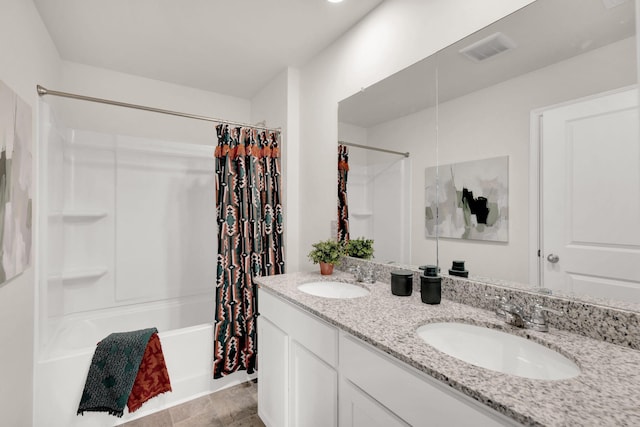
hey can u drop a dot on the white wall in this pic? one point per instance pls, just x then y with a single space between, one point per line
102 83
27 57
393 36
278 104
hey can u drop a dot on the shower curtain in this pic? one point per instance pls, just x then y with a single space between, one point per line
343 209
250 240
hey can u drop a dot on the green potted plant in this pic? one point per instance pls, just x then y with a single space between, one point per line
327 253
360 248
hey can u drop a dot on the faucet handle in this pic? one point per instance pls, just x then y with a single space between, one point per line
539 319
539 309
501 304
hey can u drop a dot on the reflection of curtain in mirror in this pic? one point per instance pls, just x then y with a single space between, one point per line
343 209
250 226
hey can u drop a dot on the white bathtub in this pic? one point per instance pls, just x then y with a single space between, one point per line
61 372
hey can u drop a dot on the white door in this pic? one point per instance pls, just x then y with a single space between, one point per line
591 197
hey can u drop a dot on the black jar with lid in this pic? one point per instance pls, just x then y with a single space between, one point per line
457 269
430 285
402 283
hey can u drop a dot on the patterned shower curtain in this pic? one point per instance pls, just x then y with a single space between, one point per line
250 240
343 208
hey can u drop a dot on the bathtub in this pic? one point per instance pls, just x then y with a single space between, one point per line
62 367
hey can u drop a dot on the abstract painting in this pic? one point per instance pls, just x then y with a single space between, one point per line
15 184
468 200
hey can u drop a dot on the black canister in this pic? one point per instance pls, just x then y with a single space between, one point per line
401 282
430 285
457 269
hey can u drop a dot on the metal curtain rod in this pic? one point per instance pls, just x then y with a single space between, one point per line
44 91
366 147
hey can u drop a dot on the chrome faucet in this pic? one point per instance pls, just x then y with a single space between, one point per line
514 315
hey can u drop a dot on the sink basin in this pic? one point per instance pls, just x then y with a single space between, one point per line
498 351
333 289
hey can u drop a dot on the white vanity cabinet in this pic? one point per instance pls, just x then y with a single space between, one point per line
311 374
297 366
403 395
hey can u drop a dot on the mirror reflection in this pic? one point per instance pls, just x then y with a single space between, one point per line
551 90
397 114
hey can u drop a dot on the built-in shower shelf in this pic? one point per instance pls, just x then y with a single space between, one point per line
361 213
78 215
80 274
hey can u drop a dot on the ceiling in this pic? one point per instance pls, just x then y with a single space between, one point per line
233 47
545 32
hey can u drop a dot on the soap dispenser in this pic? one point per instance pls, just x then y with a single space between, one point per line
430 285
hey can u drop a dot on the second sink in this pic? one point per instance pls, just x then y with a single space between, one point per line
498 351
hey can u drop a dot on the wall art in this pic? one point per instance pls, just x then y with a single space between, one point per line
15 184
468 200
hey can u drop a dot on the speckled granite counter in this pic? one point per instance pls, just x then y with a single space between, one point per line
607 392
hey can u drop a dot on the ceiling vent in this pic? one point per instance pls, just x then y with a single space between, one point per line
488 47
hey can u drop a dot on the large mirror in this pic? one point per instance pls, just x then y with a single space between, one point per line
524 150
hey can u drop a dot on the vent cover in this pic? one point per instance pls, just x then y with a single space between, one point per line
488 47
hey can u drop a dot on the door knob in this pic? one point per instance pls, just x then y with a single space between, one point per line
553 258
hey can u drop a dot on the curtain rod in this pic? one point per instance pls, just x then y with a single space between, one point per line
366 147
44 91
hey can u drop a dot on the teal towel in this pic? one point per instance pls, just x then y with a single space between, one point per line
113 370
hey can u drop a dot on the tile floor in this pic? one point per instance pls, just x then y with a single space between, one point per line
233 407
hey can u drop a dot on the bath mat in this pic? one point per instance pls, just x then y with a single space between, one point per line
113 370
152 378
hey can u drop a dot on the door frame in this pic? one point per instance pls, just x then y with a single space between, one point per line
536 227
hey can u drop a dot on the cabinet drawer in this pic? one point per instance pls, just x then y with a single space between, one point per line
414 397
313 333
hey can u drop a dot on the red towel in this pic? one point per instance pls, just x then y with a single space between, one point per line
152 378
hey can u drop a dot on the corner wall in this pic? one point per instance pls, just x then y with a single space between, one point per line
278 104
27 57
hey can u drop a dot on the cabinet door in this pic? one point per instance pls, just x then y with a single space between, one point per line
273 353
357 409
314 390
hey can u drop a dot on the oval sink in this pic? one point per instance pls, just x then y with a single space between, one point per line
498 351
333 290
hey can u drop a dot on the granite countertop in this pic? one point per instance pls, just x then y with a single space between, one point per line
607 391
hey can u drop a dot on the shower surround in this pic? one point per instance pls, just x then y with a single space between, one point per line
127 240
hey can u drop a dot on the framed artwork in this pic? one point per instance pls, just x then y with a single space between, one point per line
15 184
468 200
